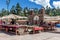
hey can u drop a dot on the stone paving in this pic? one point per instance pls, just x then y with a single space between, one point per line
40 36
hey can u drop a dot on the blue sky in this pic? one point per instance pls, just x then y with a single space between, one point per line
31 3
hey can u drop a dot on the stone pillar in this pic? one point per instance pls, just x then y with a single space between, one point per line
31 17
41 14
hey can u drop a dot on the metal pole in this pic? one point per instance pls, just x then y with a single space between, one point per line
7 10
7 2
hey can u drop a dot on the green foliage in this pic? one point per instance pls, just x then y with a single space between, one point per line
25 11
18 9
53 12
36 10
4 12
12 10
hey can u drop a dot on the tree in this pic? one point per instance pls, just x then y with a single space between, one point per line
47 10
54 12
26 10
4 12
36 10
22 13
58 11
18 9
12 10
50 13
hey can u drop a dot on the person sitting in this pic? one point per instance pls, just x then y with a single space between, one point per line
4 22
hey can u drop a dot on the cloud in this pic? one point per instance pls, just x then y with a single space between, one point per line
56 4
44 3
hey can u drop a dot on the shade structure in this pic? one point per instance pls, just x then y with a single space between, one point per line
13 16
58 25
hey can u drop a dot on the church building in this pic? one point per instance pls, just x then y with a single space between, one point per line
36 19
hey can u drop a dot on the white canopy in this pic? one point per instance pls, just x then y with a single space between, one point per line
12 16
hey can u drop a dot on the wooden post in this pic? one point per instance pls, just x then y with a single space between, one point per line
16 31
6 29
0 27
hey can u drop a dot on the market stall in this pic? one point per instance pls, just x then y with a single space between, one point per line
12 27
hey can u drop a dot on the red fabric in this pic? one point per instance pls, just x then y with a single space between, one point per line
38 28
0 21
41 28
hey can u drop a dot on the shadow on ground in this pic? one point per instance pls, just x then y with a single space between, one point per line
8 33
55 32
13 34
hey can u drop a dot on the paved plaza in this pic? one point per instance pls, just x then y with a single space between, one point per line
40 36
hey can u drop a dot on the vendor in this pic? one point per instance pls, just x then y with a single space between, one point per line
12 22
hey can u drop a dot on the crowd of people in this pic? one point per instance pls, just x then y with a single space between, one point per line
12 22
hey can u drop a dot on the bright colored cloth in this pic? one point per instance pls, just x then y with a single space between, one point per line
38 28
41 28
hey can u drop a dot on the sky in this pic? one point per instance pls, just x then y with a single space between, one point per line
31 3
